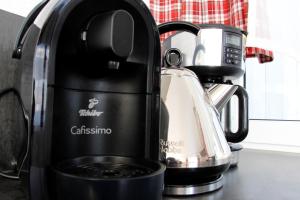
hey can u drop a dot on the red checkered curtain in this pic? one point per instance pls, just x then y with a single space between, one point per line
228 12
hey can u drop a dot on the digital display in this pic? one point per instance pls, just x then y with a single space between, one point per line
233 40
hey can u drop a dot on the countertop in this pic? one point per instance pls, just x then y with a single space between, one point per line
260 175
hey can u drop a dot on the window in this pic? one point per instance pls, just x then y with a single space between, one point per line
274 88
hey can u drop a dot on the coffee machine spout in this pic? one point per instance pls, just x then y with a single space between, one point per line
220 94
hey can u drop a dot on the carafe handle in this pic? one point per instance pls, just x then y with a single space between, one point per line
243 121
178 26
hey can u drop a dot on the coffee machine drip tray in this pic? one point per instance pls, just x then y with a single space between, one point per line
106 177
183 190
105 167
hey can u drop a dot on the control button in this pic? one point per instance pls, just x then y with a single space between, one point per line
229 61
236 62
229 50
236 57
236 51
229 55
232 50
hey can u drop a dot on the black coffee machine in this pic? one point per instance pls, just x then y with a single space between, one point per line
95 100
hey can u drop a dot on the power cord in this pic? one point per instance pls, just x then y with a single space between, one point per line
27 125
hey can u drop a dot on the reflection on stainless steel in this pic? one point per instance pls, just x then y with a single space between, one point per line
207 46
220 94
203 49
200 49
187 47
45 13
234 158
235 151
195 138
195 189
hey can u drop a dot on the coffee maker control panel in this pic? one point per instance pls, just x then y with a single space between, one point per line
232 49
232 56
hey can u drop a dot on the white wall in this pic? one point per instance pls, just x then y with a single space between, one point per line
274 135
23 7
19 7
147 2
274 88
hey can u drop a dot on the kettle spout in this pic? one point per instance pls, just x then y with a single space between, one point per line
220 94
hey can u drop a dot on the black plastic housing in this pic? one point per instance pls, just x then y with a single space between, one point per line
84 107
134 179
110 34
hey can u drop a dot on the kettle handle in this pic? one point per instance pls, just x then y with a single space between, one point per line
178 26
27 125
243 123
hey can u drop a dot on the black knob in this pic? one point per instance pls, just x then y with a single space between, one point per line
110 35
173 57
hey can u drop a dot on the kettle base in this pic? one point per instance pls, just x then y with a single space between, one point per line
186 190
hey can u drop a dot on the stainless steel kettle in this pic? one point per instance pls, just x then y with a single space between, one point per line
192 142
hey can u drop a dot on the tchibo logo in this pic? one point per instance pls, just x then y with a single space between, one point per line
91 112
93 103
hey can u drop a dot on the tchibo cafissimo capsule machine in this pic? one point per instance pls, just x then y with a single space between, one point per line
95 100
